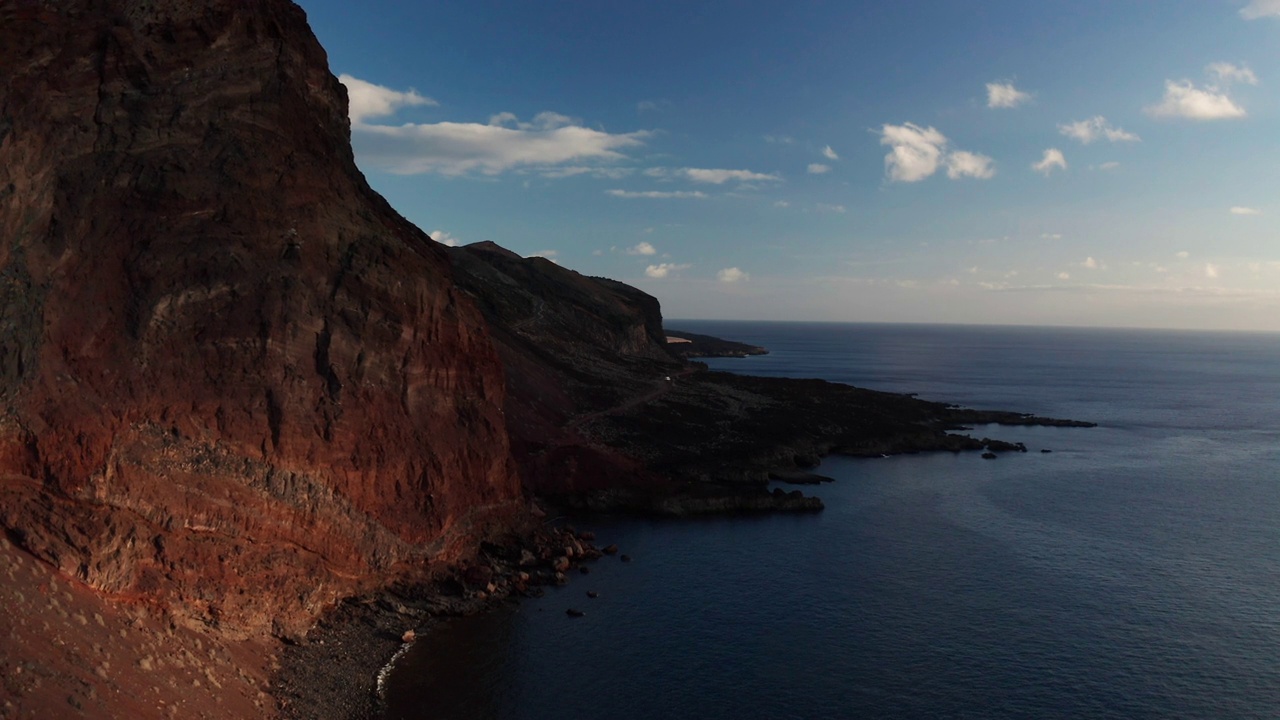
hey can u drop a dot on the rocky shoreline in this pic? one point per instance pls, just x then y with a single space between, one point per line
334 671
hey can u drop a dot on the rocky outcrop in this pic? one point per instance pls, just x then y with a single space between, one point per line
572 347
693 345
233 381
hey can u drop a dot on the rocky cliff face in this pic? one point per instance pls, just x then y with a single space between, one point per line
572 347
232 380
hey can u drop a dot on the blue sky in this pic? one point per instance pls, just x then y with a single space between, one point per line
1047 163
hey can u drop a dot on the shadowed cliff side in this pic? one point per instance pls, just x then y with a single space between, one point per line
233 381
572 346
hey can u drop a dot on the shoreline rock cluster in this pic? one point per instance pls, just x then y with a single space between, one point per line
332 671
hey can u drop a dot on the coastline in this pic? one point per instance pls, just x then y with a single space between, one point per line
336 669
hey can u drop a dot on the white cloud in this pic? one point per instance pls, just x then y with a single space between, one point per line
1210 270
732 275
1109 165
611 173
1005 95
779 139
367 100
1228 73
1260 9
818 168
444 238
548 254
782 204
651 105
1050 236
1182 255
1183 99
916 153
1091 263
823 207
1086 131
458 148
962 163
1053 158
452 148
1238 210
664 269
642 248
829 154
656 194
719 177
1064 276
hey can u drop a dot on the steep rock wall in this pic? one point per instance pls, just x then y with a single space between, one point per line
572 347
233 381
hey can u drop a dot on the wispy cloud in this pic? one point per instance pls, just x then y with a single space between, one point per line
663 270
1228 73
1241 210
713 176
1260 9
452 148
367 100
719 176
824 207
642 248
1211 271
1005 95
829 154
779 139
917 152
1095 128
818 168
1053 158
652 105
656 194
732 275
610 173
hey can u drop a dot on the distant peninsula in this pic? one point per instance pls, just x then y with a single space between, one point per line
692 345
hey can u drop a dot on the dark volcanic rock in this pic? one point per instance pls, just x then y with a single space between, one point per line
693 345
573 348
233 380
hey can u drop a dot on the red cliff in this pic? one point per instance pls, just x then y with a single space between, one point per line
233 381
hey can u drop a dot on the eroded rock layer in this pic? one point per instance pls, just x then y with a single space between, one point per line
233 380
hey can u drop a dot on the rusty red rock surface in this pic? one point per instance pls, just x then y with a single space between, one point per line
234 382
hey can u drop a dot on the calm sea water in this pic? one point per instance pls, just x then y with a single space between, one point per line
1134 572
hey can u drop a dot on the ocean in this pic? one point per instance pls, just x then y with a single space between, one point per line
1132 572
